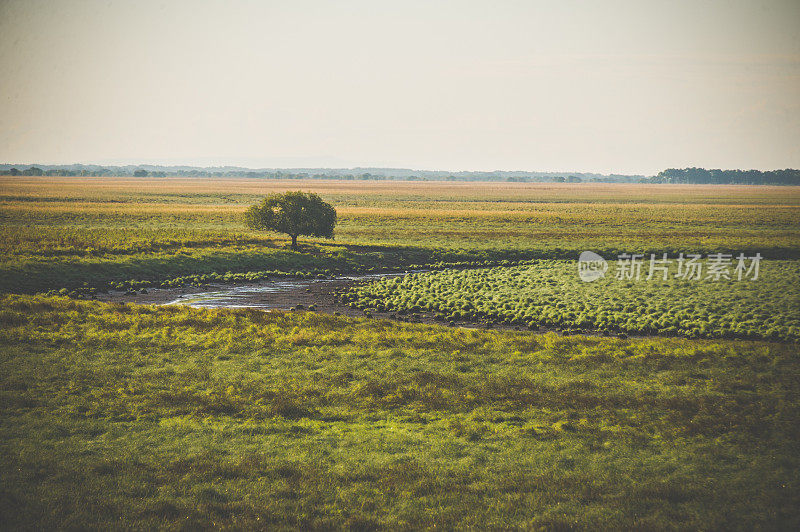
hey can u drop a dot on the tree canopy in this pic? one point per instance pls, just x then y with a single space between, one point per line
722 177
294 214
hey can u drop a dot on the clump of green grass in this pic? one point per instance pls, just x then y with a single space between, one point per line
550 294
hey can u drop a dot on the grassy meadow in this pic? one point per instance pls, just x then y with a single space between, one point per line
119 416
101 230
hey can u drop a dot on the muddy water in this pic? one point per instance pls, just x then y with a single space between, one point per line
274 294
281 294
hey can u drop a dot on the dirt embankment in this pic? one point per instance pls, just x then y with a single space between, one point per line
316 295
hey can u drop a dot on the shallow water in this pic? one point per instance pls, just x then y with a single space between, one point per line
270 295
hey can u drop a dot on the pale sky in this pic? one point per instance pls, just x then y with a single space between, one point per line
606 86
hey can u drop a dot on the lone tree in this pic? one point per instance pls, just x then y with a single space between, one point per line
293 213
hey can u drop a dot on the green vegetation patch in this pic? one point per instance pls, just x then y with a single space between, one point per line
550 294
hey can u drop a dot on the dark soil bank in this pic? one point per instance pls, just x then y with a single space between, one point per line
318 295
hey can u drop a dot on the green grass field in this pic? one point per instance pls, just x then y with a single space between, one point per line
70 231
138 417
127 417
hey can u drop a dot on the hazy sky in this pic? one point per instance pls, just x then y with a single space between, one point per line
610 86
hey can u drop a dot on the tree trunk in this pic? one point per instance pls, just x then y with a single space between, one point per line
294 242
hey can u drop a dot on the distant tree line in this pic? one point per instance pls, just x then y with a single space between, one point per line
376 174
102 172
671 175
728 177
